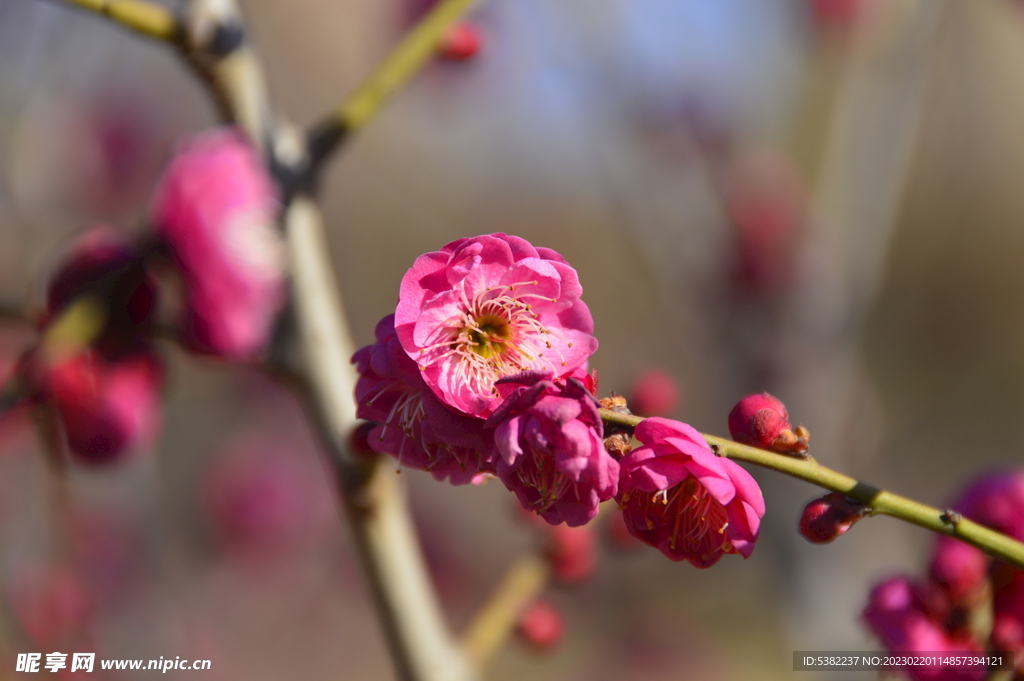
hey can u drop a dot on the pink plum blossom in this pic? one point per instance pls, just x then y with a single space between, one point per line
549 448
996 500
680 498
412 424
215 209
488 307
901 613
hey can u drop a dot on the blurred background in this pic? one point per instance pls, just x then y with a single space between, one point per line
818 198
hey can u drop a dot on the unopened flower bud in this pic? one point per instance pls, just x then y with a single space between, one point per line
654 394
826 518
461 42
762 420
541 625
572 552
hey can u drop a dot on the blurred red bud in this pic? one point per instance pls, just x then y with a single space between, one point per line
541 625
654 394
461 42
109 408
572 552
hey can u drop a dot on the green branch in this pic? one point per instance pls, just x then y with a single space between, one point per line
880 501
397 69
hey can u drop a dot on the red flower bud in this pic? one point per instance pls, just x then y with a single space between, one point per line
654 394
461 42
762 421
108 408
541 625
826 518
572 552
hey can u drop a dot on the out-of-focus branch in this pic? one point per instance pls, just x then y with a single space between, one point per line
418 47
421 645
146 18
497 618
879 500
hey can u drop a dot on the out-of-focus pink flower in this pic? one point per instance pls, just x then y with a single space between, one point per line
824 519
261 495
572 552
488 307
758 420
109 408
654 394
997 501
677 496
461 42
899 615
103 263
412 424
959 569
549 448
836 12
1008 612
766 199
215 209
541 625
51 603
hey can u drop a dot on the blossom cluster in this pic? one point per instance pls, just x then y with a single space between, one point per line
940 613
482 371
96 366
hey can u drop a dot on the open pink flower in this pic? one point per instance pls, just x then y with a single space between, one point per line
412 424
677 496
215 209
549 448
488 307
901 614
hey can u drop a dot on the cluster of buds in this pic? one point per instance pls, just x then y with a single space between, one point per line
482 371
941 612
96 366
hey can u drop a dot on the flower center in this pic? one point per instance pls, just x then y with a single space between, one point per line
496 334
489 335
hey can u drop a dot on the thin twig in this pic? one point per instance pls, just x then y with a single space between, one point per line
397 69
144 17
497 618
880 501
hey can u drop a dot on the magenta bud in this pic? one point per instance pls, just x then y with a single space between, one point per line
758 420
959 569
654 394
826 518
572 552
109 409
541 625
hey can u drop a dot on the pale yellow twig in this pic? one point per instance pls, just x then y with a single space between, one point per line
144 17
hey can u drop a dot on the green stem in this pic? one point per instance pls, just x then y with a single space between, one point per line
404 62
880 501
